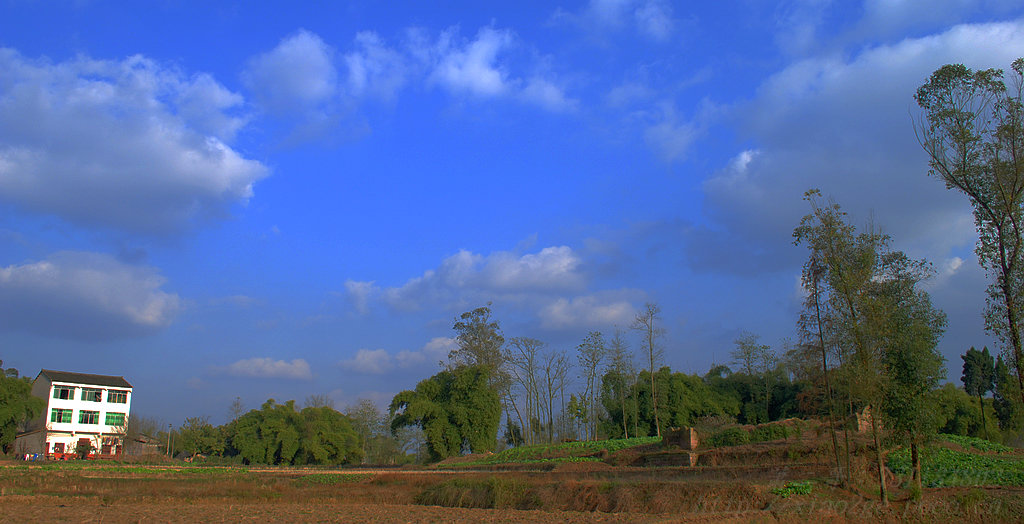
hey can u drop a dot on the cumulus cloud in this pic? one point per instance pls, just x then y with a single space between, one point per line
652 19
843 125
296 77
84 296
257 367
431 353
381 361
371 361
482 68
128 145
589 311
467 276
374 69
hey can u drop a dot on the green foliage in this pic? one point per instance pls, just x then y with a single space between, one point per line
277 434
793 488
946 467
17 404
976 443
974 137
734 436
457 409
333 479
198 436
579 451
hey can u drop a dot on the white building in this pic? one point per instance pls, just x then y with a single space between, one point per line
80 409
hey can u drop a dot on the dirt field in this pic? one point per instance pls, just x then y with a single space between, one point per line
589 492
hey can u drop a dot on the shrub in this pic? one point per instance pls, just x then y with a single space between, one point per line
733 436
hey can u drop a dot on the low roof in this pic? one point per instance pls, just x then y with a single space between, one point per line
85 378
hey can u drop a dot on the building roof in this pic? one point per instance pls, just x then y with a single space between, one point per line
85 378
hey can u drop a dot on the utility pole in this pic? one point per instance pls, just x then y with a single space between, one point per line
169 441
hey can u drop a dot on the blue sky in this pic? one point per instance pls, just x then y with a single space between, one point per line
259 199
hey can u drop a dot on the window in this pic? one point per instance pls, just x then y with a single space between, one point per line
60 415
117 396
88 417
91 394
64 392
114 419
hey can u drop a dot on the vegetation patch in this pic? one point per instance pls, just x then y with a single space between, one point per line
331 479
979 444
490 493
948 467
582 451
793 488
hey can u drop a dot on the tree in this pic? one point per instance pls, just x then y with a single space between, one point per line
457 409
522 357
974 136
277 434
647 323
197 436
880 321
1003 398
623 377
479 340
592 353
236 409
978 377
17 404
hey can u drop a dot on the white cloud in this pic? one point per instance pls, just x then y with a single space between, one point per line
297 369
128 145
472 68
671 136
483 68
842 125
371 361
651 19
359 293
466 276
590 311
374 69
431 353
296 77
86 296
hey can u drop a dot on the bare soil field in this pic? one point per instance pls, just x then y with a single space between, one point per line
588 492
648 483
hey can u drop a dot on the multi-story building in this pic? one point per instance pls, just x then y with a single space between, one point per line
80 409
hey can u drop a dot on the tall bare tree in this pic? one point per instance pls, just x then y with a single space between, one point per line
592 355
648 323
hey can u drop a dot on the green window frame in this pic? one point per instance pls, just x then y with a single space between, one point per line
88 417
64 392
117 396
92 394
114 419
60 415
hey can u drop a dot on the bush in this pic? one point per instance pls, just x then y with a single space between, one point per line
733 436
769 432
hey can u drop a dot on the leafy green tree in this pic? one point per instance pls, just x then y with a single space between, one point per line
880 321
458 409
479 340
277 434
17 404
974 137
327 437
978 377
198 436
1003 398
910 362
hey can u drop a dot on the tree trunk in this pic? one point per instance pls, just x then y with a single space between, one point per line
882 490
915 461
981 406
